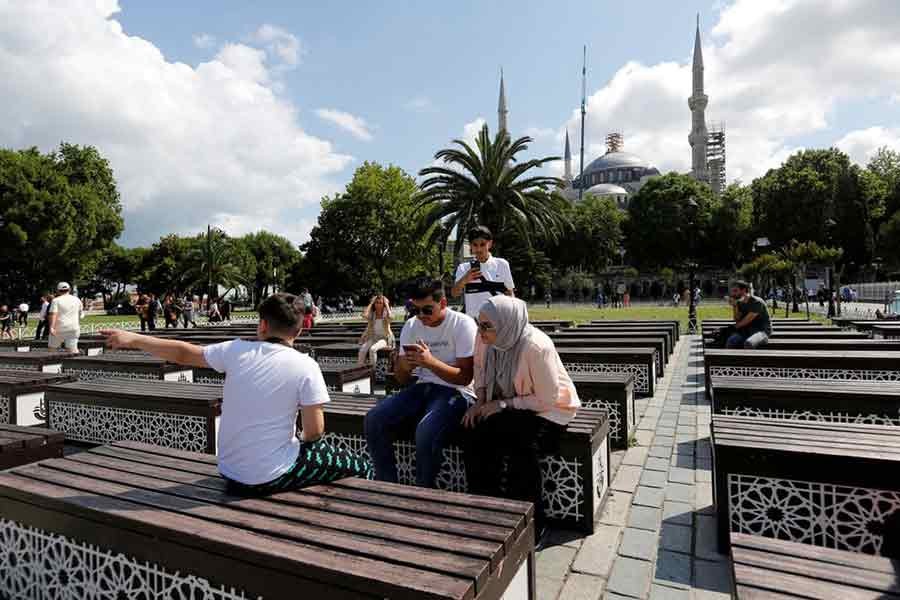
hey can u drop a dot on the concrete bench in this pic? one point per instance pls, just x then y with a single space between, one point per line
345 354
778 570
126 365
576 479
22 396
42 361
138 521
639 362
100 411
657 343
817 365
23 445
834 485
874 402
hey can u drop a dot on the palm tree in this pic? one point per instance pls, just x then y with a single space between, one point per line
212 265
486 185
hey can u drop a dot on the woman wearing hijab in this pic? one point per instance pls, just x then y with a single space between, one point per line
525 400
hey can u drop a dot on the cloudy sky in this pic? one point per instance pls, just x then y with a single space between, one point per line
245 114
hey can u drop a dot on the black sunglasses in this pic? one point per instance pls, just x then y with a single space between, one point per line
425 310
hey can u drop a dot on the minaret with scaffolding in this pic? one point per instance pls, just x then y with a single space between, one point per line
715 157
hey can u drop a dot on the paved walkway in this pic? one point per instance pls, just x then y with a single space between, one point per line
656 536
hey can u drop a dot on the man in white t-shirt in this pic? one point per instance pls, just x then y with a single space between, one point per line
64 320
437 346
266 383
484 276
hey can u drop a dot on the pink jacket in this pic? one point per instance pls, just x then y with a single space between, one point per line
541 381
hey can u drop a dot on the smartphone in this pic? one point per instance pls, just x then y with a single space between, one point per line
408 348
474 264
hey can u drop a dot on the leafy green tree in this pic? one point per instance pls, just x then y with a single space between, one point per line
889 241
663 228
596 236
216 260
59 213
802 254
488 185
274 257
162 267
731 227
885 166
118 267
367 238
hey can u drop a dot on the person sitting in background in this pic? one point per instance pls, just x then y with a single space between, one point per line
525 400
266 383
6 319
378 334
436 345
170 311
751 318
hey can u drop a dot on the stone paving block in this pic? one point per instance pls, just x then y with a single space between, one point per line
654 479
712 580
553 562
566 537
598 551
615 511
681 475
626 480
645 517
685 461
548 589
680 492
704 476
582 587
644 437
656 464
704 500
705 544
614 596
664 592
649 496
673 568
652 411
660 451
677 538
663 440
638 543
685 447
636 455
680 513
704 464
660 430
630 577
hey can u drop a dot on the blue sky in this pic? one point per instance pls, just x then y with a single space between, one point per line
244 115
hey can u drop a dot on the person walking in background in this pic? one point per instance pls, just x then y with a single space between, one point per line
212 311
64 320
187 311
378 334
5 322
42 330
308 319
307 298
23 314
142 308
170 312
152 312
225 309
525 400
548 298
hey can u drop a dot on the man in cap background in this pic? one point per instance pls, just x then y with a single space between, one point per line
64 319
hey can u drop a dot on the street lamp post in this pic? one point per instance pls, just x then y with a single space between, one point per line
692 267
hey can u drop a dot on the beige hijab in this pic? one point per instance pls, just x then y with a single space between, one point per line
510 319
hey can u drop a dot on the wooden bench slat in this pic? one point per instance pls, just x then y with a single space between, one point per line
759 584
880 564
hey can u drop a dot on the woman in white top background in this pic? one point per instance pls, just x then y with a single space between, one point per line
378 334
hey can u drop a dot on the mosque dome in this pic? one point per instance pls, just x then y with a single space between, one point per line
607 189
618 168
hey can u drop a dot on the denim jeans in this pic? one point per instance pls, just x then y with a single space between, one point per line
437 411
741 340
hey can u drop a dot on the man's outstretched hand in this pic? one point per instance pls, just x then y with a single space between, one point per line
119 339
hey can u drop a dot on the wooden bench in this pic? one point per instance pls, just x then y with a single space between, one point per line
670 330
779 343
874 402
100 411
23 445
135 520
658 344
768 569
614 393
346 354
22 396
616 334
125 365
89 346
674 324
835 485
576 479
43 361
639 362
887 331
815 365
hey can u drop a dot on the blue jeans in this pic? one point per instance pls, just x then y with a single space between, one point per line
741 340
437 411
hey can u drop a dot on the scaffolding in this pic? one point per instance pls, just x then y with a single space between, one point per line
715 157
614 142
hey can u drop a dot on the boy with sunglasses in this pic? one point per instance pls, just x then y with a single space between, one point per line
437 346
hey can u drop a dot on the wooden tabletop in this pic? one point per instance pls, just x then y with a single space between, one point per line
138 389
12 377
347 539
15 437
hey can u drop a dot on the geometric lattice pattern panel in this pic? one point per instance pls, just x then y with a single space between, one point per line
820 514
4 409
600 472
106 424
563 487
641 372
797 373
612 408
210 379
813 415
35 565
91 374
17 366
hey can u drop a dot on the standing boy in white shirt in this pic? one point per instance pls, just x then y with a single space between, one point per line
485 275
64 320
266 382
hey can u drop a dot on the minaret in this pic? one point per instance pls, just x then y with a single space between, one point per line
697 102
567 157
501 107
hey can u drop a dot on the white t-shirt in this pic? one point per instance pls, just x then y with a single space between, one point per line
265 386
44 307
494 269
23 308
453 338
68 312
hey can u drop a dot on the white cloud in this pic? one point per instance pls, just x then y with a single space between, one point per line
204 40
420 104
472 129
189 145
861 144
540 133
355 126
775 71
284 47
